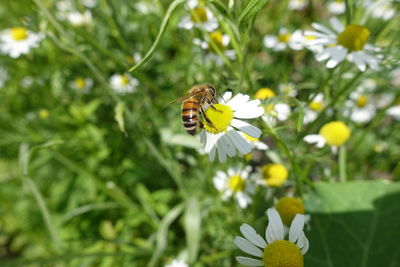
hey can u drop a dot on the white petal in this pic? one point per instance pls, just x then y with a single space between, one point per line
306 246
337 53
301 241
230 149
226 97
249 261
296 227
211 156
252 235
323 29
275 223
246 128
315 139
337 26
237 100
359 61
240 143
247 247
221 151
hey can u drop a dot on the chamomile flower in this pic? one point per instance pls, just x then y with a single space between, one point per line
43 113
223 136
235 183
177 263
199 16
264 93
334 134
3 76
297 4
315 106
123 83
274 250
77 18
82 84
276 112
284 40
17 41
359 107
287 89
337 7
395 110
382 10
216 40
342 43
271 174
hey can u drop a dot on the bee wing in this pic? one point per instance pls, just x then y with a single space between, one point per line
182 98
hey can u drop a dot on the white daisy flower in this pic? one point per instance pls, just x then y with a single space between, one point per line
297 4
177 263
288 89
3 76
17 41
123 83
89 3
274 248
359 108
223 135
77 18
382 10
276 112
394 112
200 16
235 183
314 108
81 84
285 40
342 43
337 7
27 81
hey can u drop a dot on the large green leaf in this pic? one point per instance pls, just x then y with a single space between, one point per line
354 224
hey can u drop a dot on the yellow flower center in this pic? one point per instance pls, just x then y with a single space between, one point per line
353 37
284 38
216 38
220 117
274 174
80 83
43 114
282 253
236 183
310 37
362 101
316 105
124 79
19 33
198 14
269 108
288 207
264 93
335 133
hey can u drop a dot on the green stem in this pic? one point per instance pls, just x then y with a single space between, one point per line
342 163
348 12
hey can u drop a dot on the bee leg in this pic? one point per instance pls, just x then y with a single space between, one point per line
201 124
206 118
211 105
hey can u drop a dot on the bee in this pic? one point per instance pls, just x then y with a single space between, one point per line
193 105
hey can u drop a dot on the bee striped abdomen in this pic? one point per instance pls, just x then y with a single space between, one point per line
190 110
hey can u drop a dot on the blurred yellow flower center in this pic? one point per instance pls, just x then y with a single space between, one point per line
124 79
362 101
269 108
43 114
316 105
198 14
216 37
19 33
80 83
288 207
354 37
282 253
236 183
264 93
274 174
284 38
220 117
335 133
250 138
310 37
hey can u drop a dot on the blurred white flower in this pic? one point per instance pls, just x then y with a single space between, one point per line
297 4
235 183
314 108
394 112
81 84
276 112
284 40
123 83
17 41
383 10
77 18
275 246
337 7
3 76
223 136
177 263
199 16
89 3
287 89
342 43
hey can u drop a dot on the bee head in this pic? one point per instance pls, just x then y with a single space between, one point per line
212 89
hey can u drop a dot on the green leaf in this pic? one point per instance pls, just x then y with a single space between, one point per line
163 26
119 116
354 224
192 228
300 119
250 11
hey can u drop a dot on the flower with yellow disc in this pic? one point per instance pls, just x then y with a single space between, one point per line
123 83
271 174
199 16
18 41
334 134
274 250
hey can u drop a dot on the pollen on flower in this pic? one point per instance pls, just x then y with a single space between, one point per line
19 33
274 174
335 133
216 37
80 83
288 207
282 253
264 93
354 37
220 117
198 14
362 101
236 183
284 38
316 106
